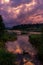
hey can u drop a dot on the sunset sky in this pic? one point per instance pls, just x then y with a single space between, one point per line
17 12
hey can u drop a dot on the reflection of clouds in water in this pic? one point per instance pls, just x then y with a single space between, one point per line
28 63
25 44
21 44
13 47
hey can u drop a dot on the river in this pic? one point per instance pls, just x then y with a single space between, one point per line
23 44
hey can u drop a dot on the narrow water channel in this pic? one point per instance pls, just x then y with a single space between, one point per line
22 44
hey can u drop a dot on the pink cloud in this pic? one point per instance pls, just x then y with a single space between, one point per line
23 13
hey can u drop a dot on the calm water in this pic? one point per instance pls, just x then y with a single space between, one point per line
22 44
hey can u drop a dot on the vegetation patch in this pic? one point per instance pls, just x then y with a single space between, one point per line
7 58
37 41
9 36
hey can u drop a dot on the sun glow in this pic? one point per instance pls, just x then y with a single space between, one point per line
5 1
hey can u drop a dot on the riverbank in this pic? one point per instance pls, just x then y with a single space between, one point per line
7 37
6 57
37 41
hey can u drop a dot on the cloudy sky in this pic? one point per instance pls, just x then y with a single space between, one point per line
17 12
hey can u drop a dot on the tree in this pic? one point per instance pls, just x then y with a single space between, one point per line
2 26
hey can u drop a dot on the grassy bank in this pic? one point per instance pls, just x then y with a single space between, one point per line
9 36
37 41
7 58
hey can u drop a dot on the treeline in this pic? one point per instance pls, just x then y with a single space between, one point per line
28 27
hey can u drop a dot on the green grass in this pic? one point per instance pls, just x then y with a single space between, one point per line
37 41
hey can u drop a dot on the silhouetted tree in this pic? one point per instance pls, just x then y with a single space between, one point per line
2 26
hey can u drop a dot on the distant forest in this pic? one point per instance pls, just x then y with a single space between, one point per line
28 27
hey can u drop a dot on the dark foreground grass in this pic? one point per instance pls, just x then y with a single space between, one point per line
7 58
37 41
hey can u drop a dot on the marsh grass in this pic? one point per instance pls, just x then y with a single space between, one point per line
9 36
37 41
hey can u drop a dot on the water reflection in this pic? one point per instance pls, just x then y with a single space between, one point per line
29 63
22 43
